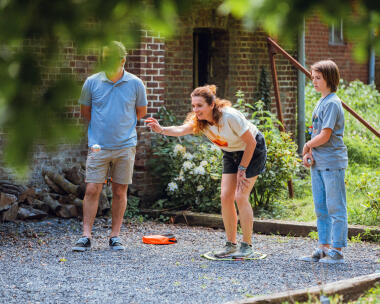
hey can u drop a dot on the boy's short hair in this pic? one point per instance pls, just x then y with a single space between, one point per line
116 48
330 73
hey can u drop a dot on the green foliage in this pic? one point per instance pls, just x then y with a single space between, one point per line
189 171
33 33
359 210
32 37
313 235
282 158
283 18
370 296
263 93
367 183
195 177
132 207
362 145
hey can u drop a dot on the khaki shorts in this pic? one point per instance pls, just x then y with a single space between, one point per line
119 162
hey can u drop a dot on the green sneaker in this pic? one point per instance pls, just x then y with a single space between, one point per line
226 250
244 251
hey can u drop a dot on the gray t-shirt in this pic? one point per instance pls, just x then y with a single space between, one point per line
113 109
328 113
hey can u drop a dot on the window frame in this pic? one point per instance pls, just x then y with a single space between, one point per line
332 34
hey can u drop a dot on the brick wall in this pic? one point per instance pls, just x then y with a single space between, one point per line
70 63
317 48
166 67
247 52
147 61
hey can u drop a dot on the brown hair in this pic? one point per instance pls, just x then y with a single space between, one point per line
208 92
330 73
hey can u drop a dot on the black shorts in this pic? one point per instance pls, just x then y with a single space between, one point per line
231 160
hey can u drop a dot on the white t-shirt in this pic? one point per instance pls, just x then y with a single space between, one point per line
232 125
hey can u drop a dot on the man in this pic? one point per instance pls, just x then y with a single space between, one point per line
111 101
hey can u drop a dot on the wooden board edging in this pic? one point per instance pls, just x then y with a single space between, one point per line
263 226
351 289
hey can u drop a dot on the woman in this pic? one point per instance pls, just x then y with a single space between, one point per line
244 157
326 154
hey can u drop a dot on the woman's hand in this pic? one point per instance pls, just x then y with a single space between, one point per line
154 125
242 181
308 160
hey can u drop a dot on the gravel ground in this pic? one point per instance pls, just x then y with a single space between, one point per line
37 265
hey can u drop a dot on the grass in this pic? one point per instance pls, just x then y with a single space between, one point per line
363 173
301 208
371 296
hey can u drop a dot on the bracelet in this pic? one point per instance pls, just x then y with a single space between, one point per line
162 131
242 168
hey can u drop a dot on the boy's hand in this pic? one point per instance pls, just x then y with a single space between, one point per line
306 149
308 160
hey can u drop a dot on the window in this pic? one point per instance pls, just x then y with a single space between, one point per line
336 33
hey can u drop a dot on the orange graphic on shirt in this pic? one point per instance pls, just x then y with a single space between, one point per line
216 139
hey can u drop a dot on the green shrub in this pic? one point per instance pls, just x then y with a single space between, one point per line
190 168
368 184
195 177
282 159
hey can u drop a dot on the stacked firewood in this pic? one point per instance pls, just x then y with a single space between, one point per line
64 198
15 201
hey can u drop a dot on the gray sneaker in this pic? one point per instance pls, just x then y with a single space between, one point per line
333 256
115 243
316 256
83 244
244 251
226 250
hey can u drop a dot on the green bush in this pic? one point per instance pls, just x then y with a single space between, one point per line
367 183
282 158
190 168
362 145
195 177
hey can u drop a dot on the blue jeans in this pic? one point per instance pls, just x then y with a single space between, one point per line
329 195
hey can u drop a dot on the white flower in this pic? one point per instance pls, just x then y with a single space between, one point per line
200 188
203 163
188 156
172 186
179 149
213 148
187 165
199 170
180 178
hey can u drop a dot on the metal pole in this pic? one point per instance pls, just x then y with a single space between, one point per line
272 52
276 47
275 87
301 91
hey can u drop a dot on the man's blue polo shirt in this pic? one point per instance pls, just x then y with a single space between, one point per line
113 109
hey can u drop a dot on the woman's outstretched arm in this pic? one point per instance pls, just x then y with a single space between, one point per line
155 126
